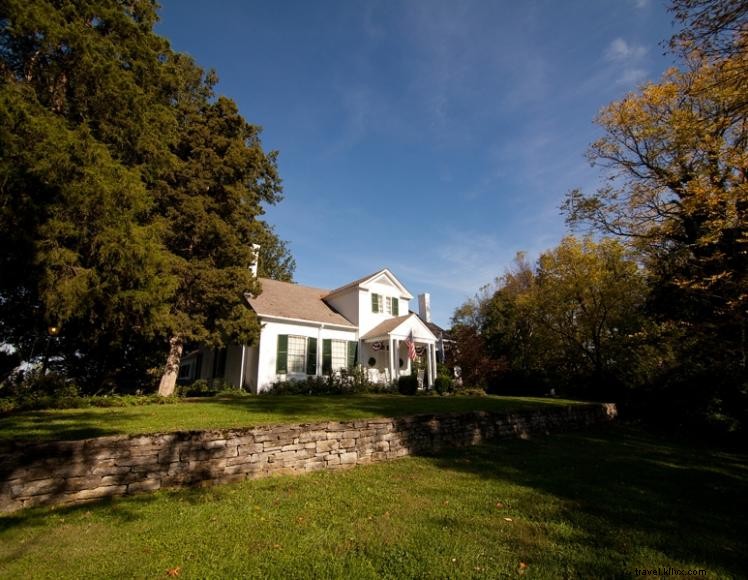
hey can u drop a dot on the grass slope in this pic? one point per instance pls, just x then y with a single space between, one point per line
598 504
230 412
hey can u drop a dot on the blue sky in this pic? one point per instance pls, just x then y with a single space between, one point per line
433 137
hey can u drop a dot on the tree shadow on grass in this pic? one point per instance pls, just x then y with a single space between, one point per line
627 491
300 408
67 426
118 511
76 424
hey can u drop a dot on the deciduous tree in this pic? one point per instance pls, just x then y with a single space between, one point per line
571 321
588 297
675 156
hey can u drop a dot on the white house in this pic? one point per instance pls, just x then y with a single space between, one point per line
313 332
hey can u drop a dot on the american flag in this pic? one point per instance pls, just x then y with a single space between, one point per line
411 346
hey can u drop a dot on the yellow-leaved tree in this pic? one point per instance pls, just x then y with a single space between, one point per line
676 188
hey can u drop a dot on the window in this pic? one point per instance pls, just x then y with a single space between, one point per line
386 304
185 370
296 354
338 354
191 368
219 363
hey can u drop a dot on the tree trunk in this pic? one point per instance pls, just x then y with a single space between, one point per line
169 378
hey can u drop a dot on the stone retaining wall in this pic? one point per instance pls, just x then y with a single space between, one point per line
69 472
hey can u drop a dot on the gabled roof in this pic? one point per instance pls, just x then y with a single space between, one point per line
370 278
295 302
401 326
354 283
384 328
435 329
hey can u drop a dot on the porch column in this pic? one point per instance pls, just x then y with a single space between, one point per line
429 366
433 353
432 365
392 354
433 349
241 369
396 359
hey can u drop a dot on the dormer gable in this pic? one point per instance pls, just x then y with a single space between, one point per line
382 277
371 299
385 278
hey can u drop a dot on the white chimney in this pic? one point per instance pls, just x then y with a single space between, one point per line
424 307
255 259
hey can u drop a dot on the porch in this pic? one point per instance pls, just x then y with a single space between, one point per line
386 355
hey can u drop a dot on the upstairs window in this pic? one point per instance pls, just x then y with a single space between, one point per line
386 304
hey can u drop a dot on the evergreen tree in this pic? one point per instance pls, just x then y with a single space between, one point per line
130 195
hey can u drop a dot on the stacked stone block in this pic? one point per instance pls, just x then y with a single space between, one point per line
70 472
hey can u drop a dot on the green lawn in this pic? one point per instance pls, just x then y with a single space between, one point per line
218 413
598 504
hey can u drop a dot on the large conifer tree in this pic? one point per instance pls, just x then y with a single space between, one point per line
129 194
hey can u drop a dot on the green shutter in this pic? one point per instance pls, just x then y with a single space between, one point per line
311 356
395 307
281 361
352 351
199 366
326 355
375 302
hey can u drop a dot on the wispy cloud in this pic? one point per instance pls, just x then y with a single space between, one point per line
621 51
359 105
626 59
461 53
462 262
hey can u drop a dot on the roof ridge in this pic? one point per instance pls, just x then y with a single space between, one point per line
357 282
296 284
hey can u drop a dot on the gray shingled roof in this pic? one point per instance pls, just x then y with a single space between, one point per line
355 282
385 327
286 300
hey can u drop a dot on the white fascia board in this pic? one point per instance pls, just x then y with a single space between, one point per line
402 331
403 290
377 339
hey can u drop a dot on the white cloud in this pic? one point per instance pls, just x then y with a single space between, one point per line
641 3
621 51
460 263
627 62
632 76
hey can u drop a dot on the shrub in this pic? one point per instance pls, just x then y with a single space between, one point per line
327 385
443 385
199 388
7 405
355 381
407 385
310 386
